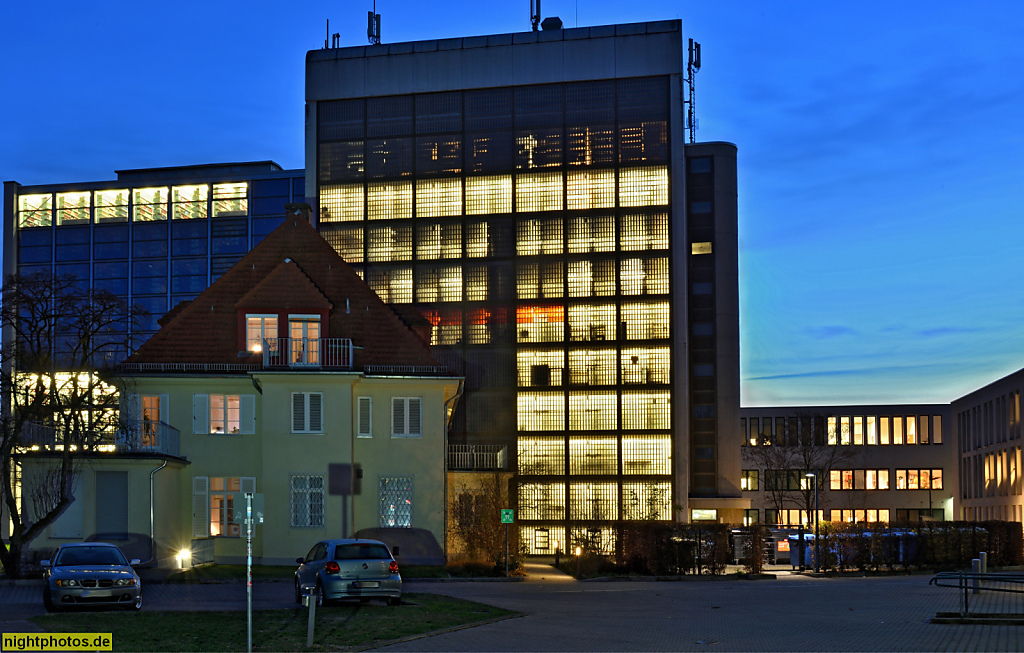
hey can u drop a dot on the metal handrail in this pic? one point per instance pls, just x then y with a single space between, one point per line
973 582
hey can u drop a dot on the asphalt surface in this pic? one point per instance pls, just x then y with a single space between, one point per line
788 613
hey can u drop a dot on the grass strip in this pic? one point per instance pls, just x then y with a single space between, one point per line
337 626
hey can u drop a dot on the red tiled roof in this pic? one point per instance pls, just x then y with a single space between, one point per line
316 279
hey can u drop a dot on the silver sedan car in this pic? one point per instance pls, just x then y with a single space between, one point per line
90 573
349 569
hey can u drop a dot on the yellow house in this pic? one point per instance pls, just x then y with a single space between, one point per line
288 379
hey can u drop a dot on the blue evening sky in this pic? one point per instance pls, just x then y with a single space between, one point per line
881 153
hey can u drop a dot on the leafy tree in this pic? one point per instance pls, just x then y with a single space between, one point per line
60 339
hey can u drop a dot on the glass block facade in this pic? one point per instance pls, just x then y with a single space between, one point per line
531 226
155 237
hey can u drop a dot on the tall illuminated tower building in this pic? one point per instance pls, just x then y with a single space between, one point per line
532 195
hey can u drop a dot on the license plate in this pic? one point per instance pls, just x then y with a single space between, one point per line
96 593
366 584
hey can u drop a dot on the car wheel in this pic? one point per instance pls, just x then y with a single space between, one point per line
48 601
320 600
393 601
135 607
298 592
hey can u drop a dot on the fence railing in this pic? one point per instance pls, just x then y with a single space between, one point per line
993 594
141 436
307 352
477 457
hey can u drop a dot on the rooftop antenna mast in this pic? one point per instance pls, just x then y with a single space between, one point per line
692 67
373 25
535 13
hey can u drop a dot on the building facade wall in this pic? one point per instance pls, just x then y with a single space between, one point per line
987 425
527 193
877 463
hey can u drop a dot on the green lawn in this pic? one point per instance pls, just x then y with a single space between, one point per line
337 626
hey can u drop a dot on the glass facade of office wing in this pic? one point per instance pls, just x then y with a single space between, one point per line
530 225
154 244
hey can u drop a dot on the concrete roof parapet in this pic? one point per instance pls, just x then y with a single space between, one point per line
576 33
630 29
601 31
501 39
424 46
663 26
376 51
404 48
475 42
524 37
449 44
550 35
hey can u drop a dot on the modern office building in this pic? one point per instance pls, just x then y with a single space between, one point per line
873 463
533 196
154 236
987 425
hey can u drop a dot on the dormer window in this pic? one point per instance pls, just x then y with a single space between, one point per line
260 332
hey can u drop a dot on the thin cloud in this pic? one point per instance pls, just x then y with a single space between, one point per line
834 331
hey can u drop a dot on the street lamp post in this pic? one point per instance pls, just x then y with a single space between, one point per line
817 546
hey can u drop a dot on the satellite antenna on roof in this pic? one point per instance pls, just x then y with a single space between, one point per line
692 67
373 25
535 14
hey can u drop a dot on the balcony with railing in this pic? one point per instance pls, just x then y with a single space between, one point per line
129 437
477 457
307 352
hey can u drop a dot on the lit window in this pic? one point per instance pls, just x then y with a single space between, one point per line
304 331
392 286
589 234
647 501
341 203
590 455
590 190
592 411
478 244
748 480
390 200
593 501
438 197
541 411
646 410
111 205
643 186
646 454
592 366
539 368
389 244
646 321
34 211
439 284
150 204
539 192
73 208
231 200
592 322
541 500
395 496
489 195
538 237
260 329
225 414
640 232
540 456
540 323
434 241
189 202
700 248
645 365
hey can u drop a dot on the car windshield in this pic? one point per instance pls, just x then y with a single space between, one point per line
366 551
89 555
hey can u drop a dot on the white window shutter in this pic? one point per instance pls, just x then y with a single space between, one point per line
200 413
247 414
315 412
365 410
298 412
200 506
165 408
132 409
415 425
397 416
248 484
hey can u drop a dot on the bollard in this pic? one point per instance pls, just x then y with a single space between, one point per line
975 582
311 597
983 556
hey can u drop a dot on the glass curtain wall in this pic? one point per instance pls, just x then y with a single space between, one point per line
530 225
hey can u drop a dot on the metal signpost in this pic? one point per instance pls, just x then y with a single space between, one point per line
507 517
249 497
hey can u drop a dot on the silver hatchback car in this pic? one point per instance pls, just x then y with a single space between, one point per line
90 573
349 569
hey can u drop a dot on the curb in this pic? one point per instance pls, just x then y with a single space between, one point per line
442 631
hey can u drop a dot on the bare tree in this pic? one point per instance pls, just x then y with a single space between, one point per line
60 339
805 445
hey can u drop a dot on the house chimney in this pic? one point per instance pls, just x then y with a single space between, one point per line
298 210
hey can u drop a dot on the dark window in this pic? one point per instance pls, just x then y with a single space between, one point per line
438 112
590 102
270 188
489 152
150 240
341 161
488 109
699 165
539 105
388 158
590 145
643 99
340 119
389 116
436 155
538 148
110 241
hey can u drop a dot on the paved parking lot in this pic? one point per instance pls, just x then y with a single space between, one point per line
789 613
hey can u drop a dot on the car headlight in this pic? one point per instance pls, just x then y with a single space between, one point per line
67 582
125 582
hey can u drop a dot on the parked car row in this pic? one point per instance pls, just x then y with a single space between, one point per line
98 574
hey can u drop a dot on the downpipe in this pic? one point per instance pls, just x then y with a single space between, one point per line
152 518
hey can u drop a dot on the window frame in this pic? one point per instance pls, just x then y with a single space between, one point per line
309 515
406 403
307 422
